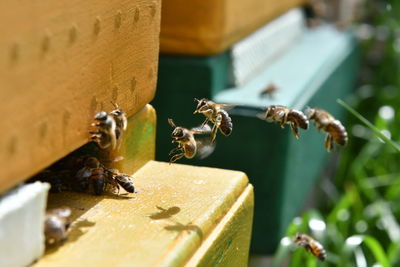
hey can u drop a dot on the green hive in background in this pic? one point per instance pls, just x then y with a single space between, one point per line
320 68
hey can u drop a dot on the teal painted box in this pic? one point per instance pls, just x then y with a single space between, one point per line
320 68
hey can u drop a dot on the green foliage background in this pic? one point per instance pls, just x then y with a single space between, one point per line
358 220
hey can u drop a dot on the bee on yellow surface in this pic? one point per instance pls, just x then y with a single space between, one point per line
217 114
56 225
188 146
125 182
311 245
285 115
335 131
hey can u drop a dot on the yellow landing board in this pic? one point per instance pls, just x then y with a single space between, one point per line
180 215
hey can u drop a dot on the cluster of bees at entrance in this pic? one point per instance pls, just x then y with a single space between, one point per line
87 173
190 146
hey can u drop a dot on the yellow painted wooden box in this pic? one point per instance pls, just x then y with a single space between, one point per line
180 216
206 27
62 61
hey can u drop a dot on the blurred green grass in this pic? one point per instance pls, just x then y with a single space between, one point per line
357 221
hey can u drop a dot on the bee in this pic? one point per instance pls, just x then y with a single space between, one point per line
93 171
217 114
335 131
105 135
121 122
187 144
312 246
285 115
270 90
125 182
56 225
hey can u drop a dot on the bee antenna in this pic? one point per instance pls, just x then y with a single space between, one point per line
115 105
171 122
195 99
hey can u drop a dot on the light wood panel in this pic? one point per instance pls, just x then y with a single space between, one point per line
60 63
199 204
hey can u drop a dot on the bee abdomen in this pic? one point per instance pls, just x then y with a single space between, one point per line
318 251
98 179
338 132
125 183
299 117
226 123
190 149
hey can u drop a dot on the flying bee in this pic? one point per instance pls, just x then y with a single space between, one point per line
217 114
335 131
188 146
311 245
285 115
56 225
121 122
105 135
270 90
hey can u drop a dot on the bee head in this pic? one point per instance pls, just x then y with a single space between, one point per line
117 112
202 105
178 132
101 116
270 112
92 162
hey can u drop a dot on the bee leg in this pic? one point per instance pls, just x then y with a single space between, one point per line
174 150
295 130
204 123
176 157
217 124
328 142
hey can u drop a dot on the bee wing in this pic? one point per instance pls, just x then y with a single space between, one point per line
227 107
83 173
206 129
205 147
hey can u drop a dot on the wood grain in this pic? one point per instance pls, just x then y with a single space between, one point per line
130 230
62 61
207 27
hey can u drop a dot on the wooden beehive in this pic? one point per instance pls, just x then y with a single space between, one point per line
60 62
207 27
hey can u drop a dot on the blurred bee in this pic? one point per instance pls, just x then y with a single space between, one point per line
310 245
56 225
270 90
217 114
335 131
188 146
121 122
105 135
285 115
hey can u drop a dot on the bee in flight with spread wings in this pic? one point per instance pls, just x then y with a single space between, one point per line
217 114
188 145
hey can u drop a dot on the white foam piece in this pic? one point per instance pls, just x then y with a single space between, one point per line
250 55
22 212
